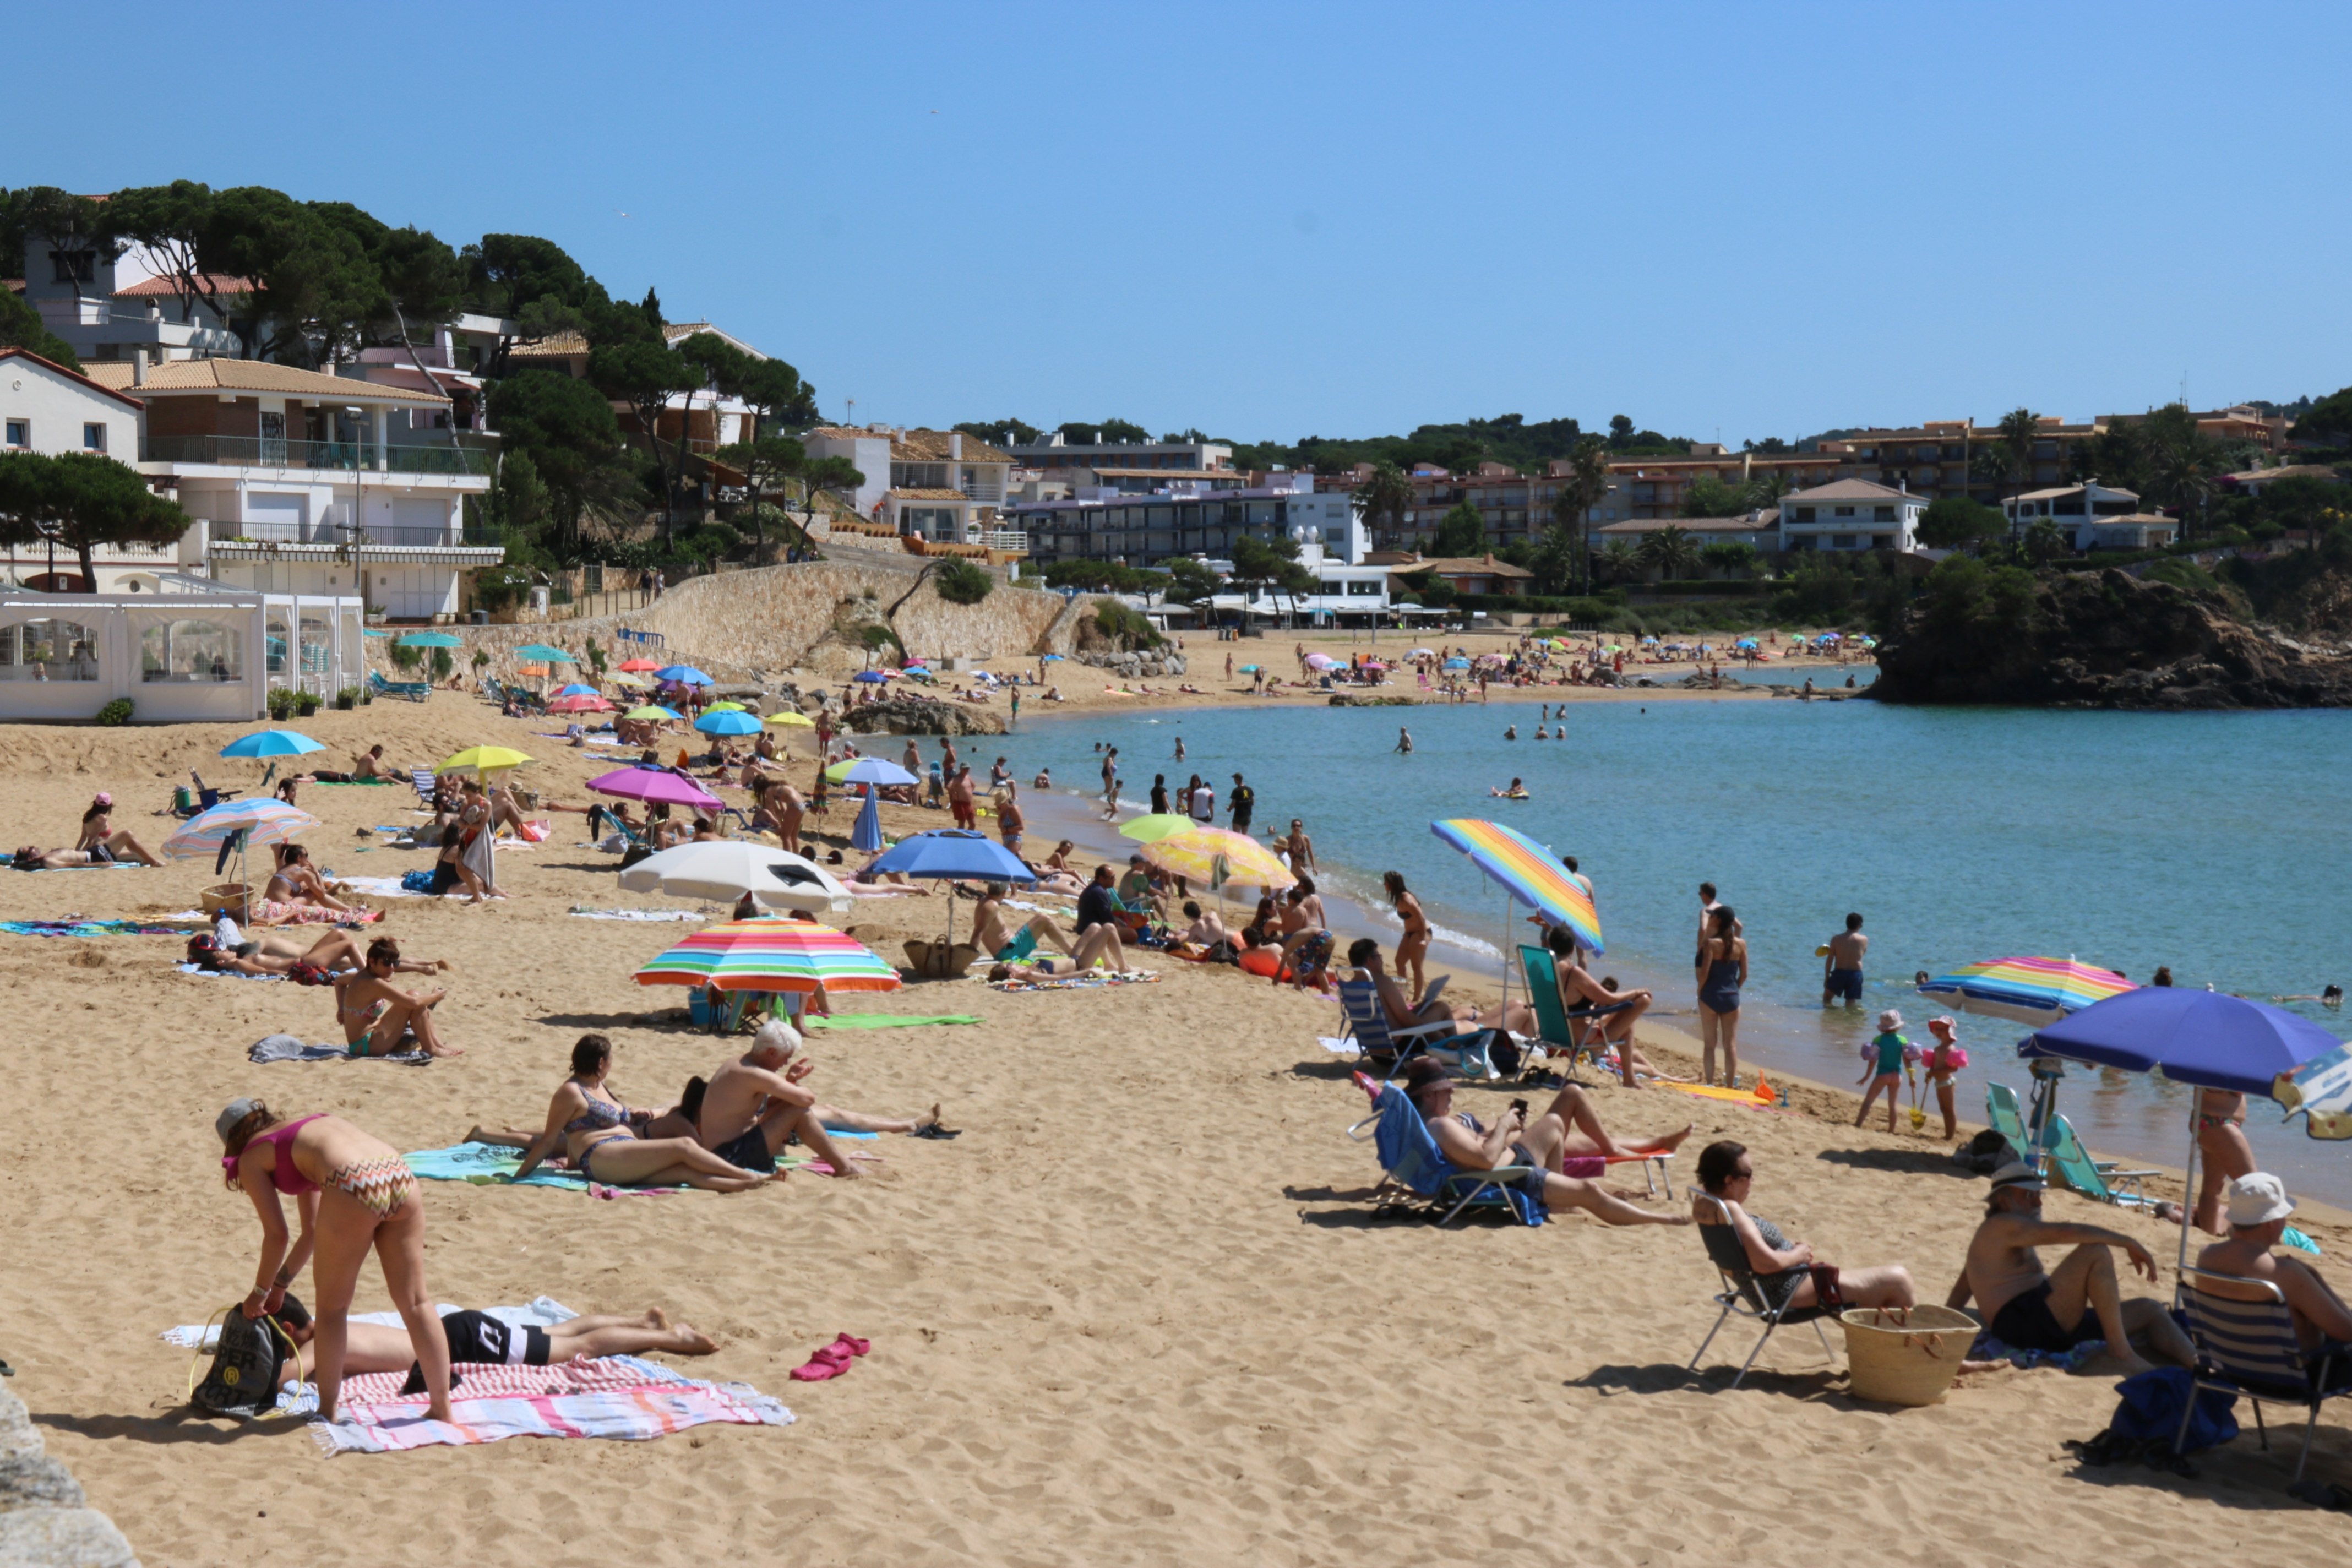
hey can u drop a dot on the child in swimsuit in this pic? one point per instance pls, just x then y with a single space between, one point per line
1885 1056
1943 1062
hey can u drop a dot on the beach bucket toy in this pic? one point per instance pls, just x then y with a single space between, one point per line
1899 1357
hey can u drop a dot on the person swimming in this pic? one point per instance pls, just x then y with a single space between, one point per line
1516 792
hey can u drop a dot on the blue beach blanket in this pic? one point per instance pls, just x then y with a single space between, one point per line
94 928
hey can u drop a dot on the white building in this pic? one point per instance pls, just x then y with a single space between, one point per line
1054 453
2094 516
127 307
189 649
1850 514
1192 517
937 485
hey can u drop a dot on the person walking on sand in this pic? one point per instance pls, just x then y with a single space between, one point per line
2030 1309
1841 965
1882 1062
351 1193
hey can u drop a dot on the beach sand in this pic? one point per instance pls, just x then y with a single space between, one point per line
1138 1313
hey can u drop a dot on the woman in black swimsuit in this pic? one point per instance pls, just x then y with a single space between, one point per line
606 1140
1412 947
1722 971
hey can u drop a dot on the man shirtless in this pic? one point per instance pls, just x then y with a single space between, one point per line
994 933
1841 970
2258 1208
2031 1309
755 1104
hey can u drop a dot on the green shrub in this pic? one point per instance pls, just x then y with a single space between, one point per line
961 582
348 698
115 713
443 665
305 703
1128 627
281 703
407 658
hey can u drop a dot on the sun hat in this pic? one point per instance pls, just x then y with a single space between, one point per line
234 1111
2016 1173
101 799
1945 1026
2258 1199
1889 1021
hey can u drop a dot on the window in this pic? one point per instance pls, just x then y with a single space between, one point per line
1804 514
191 651
1359 589
1840 512
49 649
93 437
72 266
1882 514
20 432
1841 541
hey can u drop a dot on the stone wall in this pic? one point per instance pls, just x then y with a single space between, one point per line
740 625
44 1520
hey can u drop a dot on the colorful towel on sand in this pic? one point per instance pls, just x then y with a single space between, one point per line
585 913
620 1397
291 1048
486 1165
94 928
883 1020
1988 1347
221 974
1094 980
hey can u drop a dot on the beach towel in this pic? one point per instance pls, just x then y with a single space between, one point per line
290 1048
883 1020
385 887
487 1165
1760 1097
583 912
221 974
94 928
1093 980
1988 1347
621 1397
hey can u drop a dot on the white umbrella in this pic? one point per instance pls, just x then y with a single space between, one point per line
724 870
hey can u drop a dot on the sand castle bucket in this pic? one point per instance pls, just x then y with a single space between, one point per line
1898 1357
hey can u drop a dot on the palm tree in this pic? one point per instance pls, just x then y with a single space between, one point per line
1386 494
1671 551
1619 561
2184 469
2019 427
1581 490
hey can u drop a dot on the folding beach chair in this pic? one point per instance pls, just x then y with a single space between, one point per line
415 690
1415 1172
2104 1180
1561 1028
424 781
1741 1295
2249 1347
1380 1041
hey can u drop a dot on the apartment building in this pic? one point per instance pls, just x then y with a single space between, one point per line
1052 453
937 485
1193 517
2094 516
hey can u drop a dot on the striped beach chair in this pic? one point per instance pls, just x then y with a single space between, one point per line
2246 1344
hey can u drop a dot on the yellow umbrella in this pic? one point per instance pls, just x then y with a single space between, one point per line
483 760
792 718
1194 854
1159 824
724 708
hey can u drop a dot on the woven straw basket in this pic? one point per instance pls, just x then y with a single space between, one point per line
1904 1358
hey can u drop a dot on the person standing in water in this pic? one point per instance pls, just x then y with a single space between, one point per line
1841 970
1404 740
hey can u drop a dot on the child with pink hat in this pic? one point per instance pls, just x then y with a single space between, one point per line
1943 1062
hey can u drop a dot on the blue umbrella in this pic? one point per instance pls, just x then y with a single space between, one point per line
1458 664
872 676
733 721
954 852
577 689
684 675
878 771
868 834
272 743
1051 657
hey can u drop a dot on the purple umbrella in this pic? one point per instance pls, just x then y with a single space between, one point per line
655 786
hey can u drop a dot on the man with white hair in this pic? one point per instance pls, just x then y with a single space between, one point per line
755 1104
2258 1208
2031 1309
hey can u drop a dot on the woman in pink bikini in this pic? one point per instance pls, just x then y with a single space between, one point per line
351 1192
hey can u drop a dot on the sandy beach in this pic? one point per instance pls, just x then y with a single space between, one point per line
1140 1313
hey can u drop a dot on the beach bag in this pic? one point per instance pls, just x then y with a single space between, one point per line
1985 1152
416 881
246 1359
1905 1356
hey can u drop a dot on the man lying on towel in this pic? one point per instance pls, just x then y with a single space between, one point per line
479 1338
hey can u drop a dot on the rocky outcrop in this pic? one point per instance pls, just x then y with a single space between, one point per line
1146 664
921 716
1349 700
44 1520
2106 639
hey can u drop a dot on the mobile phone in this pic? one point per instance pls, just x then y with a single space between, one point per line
1521 1107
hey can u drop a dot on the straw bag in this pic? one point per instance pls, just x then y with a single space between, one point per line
1899 1357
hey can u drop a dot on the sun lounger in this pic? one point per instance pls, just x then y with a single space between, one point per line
415 690
1741 1295
2249 1347
2075 1169
1417 1173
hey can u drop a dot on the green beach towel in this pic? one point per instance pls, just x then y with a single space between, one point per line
884 1020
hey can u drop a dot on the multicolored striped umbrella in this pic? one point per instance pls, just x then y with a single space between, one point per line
771 955
263 823
2026 990
1195 853
1529 872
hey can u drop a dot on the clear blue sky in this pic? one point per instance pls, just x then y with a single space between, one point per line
1272 221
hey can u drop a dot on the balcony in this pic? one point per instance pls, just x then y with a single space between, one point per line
267 452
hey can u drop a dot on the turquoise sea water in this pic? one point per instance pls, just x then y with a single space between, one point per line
2200 841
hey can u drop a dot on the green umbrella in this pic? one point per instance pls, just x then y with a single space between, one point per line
430 639
539 650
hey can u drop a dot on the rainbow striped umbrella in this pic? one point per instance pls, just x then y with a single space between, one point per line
771 955
2026 990
1529 872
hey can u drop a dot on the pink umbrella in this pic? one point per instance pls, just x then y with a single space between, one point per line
581 704
655 788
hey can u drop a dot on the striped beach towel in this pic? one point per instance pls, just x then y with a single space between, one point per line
619 1397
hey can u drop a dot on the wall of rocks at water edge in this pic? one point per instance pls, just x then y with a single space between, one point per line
44 1520
1132 666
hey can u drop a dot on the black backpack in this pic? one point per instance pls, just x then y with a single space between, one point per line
251 1351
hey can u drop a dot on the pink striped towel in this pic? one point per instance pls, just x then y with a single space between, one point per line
611 1396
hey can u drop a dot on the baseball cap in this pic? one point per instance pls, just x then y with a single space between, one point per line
2258 1199
234 1111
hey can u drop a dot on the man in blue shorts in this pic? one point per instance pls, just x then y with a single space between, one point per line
1842 970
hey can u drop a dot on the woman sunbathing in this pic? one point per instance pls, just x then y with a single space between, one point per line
297 881
335 952
607 1141
1542 1147
104 842
376 1018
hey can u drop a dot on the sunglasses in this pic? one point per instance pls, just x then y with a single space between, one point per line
1743 1175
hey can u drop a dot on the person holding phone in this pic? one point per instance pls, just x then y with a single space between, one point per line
1468 1144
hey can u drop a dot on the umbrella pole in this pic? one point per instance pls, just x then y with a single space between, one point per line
2188 1202
1507 956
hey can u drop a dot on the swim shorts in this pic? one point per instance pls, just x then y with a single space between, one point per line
2025 1323
1845 984
479 1338
749 1152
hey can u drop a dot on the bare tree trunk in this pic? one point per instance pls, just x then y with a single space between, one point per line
400 319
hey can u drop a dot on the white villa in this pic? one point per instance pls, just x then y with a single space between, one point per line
1851 514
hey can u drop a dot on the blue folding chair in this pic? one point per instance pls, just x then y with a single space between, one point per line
1380 1041
1417 1171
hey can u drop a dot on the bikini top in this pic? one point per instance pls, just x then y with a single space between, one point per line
598 1115
290 1179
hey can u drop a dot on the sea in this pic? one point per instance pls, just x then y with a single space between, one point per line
2197 841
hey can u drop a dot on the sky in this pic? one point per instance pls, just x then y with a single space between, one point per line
1270 221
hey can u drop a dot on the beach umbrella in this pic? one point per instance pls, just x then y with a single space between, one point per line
1421 653
538 669
1320 660
2320 1092
375 632
865 833
628 678
725 871
429 640
792 718
587 703
2025 990
1652 639
652 710
1249 670
655 786
870 677
1215 855
2207 1038
1371 664
868 770
1050 658
726 707
736 723
1530 874
637 665
241 825
1744 642
771 954
483 760
1159 824
1458 664
952 852
683 675
544 654
272 743
577 689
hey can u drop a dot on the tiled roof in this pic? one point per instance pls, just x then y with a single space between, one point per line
263 376
1234 474
112 373
555 345
931 447
165 288
93 383
1763 522
2071 490
1851 489
848 433
1469 566
930 495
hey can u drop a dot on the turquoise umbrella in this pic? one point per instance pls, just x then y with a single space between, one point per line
736 722
272 743
430 639
541 651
